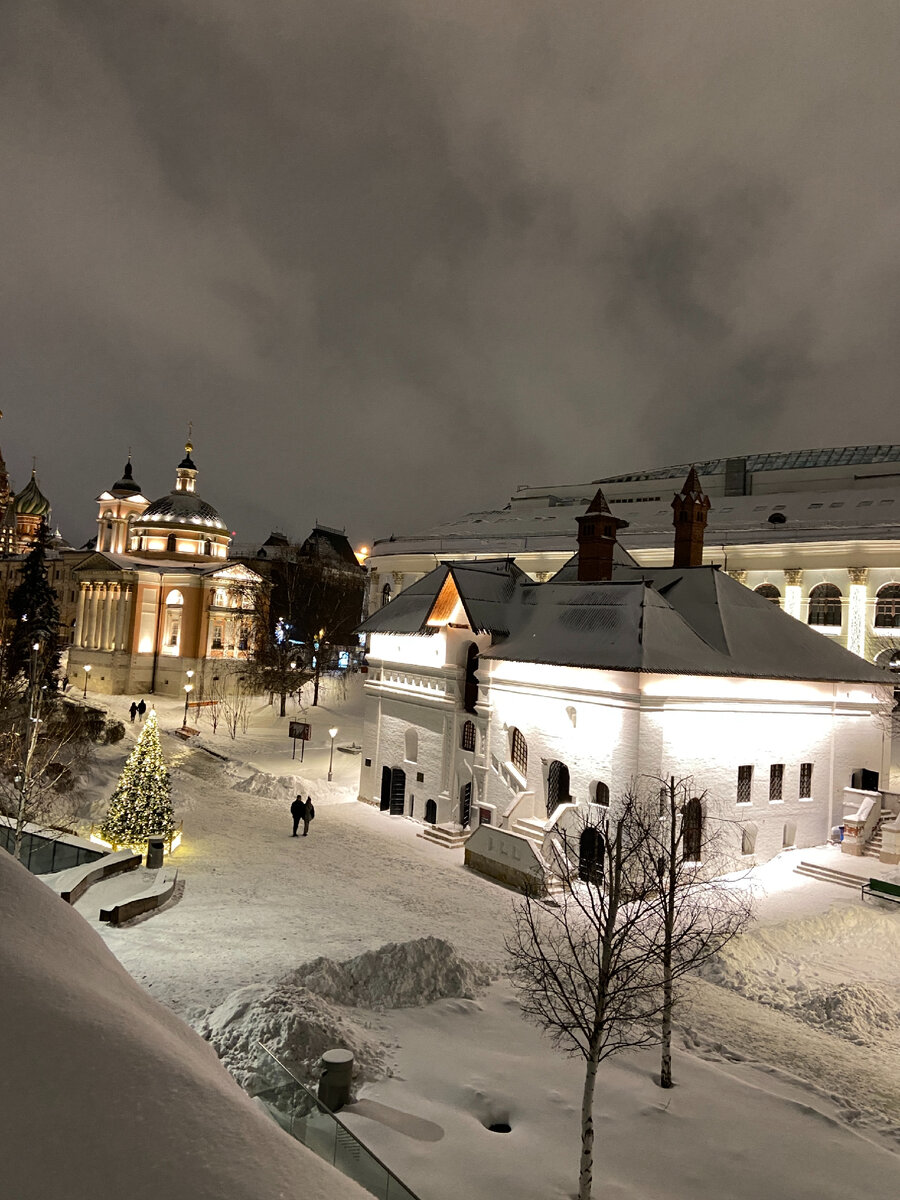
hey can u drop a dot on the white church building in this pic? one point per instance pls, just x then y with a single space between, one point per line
495 700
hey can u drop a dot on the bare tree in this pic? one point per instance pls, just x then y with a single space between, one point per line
585 965
697 911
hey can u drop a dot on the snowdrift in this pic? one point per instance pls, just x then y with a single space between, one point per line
284 788
313 1008
132 1101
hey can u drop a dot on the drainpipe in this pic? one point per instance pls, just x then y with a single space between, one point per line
159 606
831 763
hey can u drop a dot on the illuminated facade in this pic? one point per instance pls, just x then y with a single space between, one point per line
158 597
492 699
803 527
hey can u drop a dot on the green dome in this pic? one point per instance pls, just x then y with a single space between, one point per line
31 501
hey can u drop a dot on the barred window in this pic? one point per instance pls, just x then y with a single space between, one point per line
776 780
806 781
467 740
769 592
519 751
601 793
745 781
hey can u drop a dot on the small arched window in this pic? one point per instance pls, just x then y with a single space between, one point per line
412 746
385 595
748 840
591 847
601 793
769 591
467 738
174 597
887 606
825 605
170 543
789 836
207 546
518 754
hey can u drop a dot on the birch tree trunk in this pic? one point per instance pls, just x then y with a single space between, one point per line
586 1170
665 1072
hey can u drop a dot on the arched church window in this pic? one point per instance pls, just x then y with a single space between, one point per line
825 605
170 543
518 753
591 847
412 745
207 546
467 739
385 595
887 607
174 597
470 689
601 794
769 592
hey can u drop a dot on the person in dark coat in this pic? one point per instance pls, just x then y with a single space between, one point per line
298 810
308 813
141 709
133 711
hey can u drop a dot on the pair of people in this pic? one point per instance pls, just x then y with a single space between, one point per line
302 810
137 710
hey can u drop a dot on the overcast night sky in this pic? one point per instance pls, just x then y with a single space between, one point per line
396 257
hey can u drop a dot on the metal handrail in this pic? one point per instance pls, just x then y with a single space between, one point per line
317 1103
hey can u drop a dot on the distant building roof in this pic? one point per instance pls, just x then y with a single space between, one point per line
774 460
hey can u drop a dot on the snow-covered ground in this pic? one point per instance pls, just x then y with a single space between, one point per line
789 1080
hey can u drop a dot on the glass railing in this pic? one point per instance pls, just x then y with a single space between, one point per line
300 1113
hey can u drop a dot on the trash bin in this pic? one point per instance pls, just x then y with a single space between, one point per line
337 1076
156 847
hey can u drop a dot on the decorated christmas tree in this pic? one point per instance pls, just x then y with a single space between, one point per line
141 805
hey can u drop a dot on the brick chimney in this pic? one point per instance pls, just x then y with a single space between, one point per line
690 506
597 540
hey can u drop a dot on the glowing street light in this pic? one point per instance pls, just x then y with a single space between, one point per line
87 671
188 688
332 733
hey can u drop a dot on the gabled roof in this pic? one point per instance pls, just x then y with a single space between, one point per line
485 590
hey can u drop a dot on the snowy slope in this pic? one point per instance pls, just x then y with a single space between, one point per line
106 1094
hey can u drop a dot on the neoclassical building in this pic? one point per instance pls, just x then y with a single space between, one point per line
158 597
815 531
495 700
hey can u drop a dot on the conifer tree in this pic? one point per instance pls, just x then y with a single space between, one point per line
141 805
34 607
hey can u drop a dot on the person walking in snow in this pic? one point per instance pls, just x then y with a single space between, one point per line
308 813
298 810
141 709
133 711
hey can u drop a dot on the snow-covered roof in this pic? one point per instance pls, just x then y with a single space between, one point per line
686 621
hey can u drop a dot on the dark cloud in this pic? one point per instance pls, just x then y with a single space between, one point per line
394 257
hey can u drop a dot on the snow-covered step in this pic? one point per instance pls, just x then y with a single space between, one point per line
450 839
830 875
532 828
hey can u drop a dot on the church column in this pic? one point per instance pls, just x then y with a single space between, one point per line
856 624
121 608
108 605
97 616
79 615
793 592
89 615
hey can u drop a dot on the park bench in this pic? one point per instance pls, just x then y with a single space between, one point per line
72 883
881 890
153 896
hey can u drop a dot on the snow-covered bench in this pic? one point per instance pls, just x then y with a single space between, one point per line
72 883
153 896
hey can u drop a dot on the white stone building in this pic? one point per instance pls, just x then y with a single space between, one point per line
492 699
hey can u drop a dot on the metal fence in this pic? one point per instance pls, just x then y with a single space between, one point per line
301 1114
44 853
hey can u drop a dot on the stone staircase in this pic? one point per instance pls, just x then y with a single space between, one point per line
531 828
872 848
830 875
449 839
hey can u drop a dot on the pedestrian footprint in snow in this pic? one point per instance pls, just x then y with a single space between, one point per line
133 711
298 809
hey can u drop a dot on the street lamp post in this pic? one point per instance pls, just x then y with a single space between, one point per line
332 733
87 671
188 688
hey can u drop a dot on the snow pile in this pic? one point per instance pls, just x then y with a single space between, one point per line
134 1103
296 1025
801 967
398 975
284 788
311 1010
